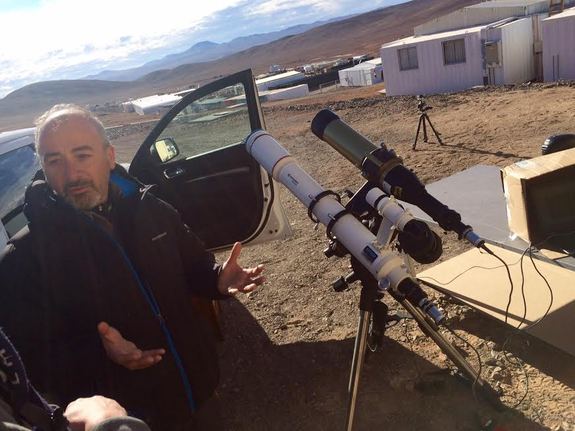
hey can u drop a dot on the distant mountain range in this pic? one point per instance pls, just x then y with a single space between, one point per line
360 34
206 51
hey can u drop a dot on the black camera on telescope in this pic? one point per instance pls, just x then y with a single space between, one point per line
422 104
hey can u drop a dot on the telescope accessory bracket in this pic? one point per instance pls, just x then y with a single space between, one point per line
377 164
316 199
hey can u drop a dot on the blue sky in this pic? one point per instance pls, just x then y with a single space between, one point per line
66 39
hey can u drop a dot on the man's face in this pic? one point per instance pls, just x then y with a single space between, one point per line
75 159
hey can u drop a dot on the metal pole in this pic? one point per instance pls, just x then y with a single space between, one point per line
356 364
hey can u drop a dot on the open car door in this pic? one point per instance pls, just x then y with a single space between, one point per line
196 158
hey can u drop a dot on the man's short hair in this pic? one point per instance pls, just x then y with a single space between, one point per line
46 118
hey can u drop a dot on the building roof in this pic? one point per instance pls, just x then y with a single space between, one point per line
278 76
370 64
156 100
448 34
566 13
427 37
505 3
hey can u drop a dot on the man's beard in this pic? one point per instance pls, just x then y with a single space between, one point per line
83 201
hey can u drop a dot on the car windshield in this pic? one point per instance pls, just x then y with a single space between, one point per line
17 168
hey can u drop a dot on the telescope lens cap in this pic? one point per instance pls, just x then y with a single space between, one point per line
322 119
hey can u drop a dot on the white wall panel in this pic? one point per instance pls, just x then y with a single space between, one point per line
517 47
559 48
432 75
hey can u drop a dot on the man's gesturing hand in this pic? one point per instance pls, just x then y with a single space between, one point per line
233 278
126 353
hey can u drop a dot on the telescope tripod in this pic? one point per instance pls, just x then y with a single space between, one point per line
371 309
423 118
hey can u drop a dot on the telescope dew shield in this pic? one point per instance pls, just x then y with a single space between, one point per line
328 127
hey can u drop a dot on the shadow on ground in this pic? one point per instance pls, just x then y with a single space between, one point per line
302 386
531 350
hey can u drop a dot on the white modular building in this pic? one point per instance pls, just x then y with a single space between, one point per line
367 73
493 54
279 80
155 104
481 14
559 46
294 92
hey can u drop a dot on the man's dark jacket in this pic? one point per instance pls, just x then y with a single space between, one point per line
67 272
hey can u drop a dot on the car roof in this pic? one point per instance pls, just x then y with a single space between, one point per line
14 139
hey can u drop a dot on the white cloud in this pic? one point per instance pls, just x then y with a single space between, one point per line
273 6
110 28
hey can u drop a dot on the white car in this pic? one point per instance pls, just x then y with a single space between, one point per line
196 158
18 164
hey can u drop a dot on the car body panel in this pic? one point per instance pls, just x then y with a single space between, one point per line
18 164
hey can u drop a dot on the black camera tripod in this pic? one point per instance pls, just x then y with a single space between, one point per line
373 313
373 316
423 118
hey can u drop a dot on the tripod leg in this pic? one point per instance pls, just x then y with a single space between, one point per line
417 134
488 393
356 364
435 131
424 128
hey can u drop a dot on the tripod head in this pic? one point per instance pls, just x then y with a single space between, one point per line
422 105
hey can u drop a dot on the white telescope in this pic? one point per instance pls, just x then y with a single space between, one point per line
387 267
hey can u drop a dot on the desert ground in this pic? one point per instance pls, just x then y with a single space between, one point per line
288 346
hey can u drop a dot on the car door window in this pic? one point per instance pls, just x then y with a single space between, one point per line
215 121
196 159
17 168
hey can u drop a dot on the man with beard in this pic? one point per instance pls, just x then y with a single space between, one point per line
97 291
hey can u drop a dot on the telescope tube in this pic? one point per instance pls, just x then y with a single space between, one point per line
387 268
383 167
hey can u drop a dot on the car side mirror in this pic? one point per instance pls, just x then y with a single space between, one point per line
165 149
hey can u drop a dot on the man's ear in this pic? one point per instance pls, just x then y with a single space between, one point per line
111 154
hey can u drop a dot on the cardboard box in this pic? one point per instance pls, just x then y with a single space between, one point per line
540 197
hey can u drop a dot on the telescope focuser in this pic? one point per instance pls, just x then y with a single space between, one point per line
342 283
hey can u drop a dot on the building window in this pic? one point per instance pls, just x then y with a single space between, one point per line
407 58
454 51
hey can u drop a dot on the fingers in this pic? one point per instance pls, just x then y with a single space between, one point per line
125 352
103 328
252 272
147 359
109 333
235 253
141 359
248 286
